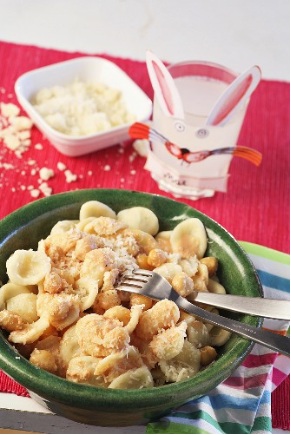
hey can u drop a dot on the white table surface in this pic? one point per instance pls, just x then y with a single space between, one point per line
235 33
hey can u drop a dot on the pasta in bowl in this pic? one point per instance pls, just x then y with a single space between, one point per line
81 342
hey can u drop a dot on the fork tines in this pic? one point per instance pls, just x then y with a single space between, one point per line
143 272
137 279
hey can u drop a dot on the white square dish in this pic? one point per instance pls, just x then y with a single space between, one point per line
84 69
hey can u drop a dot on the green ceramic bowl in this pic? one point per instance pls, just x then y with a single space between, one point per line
26 226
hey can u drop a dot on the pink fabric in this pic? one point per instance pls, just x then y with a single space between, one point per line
255 207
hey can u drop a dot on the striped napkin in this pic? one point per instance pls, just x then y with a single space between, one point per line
242 404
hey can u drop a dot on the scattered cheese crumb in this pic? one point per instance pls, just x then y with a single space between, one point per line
46 173
9 110
132 157
26 142
21 123
15 130
11 141
6 165
61 166
38 146
34 193
70 177
31 162
24 134
45 189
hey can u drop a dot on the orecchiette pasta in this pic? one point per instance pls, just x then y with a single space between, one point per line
81 369
63 226
95 209
140 218
134 378
10 290
62 308
189 238
24 305
27 267
182 366
30 332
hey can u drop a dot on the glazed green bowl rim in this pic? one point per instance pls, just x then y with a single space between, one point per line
55 388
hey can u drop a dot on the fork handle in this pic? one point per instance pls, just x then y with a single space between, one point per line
268 308
269 339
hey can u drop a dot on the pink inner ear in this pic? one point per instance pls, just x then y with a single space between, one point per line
232 101
164 88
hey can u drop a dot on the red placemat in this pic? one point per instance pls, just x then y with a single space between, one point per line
255 208
281 406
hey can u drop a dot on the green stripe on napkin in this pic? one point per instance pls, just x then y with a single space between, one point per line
262 251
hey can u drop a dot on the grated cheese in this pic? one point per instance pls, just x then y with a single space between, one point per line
61 166
15 130
34 193
70 177
46 173
45 189
82 108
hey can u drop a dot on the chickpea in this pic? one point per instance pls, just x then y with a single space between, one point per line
157 257
107 299
207 355
118 312
211 263
162 315
201 278
44 359
145 241
142 261
136 299
183 284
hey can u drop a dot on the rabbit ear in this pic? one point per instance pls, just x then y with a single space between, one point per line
164 87
234 96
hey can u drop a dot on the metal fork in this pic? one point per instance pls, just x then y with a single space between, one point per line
155 286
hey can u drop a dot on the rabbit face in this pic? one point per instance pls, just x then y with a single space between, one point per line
189 138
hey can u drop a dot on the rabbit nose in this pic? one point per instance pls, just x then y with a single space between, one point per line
184 151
